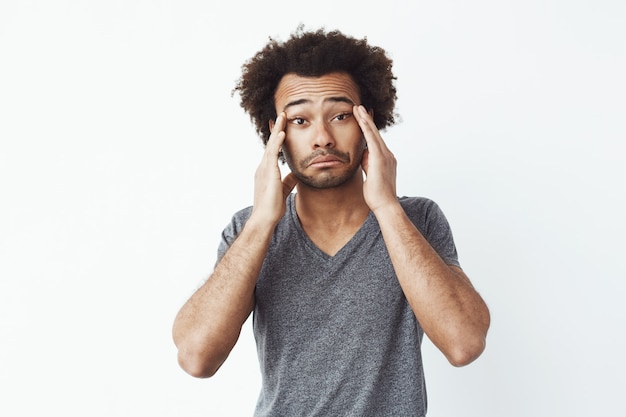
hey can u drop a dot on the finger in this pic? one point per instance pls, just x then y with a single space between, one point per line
277 137
289 182
370 131
366 128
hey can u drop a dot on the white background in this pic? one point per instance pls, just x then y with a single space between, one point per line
123 155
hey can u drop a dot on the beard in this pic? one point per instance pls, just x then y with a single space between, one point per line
326 178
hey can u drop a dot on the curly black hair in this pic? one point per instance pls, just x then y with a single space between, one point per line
313 54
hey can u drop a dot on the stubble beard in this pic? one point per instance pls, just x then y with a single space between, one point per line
326 178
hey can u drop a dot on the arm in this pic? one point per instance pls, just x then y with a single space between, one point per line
209 323
448 308
450 311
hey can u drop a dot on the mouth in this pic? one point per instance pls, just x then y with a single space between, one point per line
324 161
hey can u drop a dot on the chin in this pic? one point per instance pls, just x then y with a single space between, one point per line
326 180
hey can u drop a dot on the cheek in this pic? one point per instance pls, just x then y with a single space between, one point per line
290 158
294 133
358 153
353 136
294 140
350 131
288 149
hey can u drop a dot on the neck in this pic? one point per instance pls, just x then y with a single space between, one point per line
332 207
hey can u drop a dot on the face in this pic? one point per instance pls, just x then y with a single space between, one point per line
324 144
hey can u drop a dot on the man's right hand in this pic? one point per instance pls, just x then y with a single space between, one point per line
270 191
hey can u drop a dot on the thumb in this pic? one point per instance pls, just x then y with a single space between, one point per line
289 182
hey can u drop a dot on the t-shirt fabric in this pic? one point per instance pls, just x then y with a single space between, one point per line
335 334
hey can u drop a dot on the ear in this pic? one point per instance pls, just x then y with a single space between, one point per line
271 123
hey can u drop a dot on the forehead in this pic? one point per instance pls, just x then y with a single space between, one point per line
293 88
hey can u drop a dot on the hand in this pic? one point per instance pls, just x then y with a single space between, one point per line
379 165
270 192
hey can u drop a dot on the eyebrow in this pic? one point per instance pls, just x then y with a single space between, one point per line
338 99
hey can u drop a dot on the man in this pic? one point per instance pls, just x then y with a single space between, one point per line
343 276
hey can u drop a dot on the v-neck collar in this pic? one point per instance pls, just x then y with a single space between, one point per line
360 234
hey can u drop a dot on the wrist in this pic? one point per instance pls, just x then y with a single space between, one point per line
260 224
390 209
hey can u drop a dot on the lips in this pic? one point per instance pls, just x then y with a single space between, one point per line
323 160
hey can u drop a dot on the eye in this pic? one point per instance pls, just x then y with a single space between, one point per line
343 116
297 121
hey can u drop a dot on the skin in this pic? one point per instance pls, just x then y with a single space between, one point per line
323 129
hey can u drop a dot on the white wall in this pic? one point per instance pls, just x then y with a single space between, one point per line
123 155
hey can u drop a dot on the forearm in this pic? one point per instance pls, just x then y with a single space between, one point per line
208 325
450 311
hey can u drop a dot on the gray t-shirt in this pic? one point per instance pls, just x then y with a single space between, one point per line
335 335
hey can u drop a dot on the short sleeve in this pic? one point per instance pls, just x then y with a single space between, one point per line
231 231
432 223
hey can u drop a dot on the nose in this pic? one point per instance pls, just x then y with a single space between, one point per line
323 137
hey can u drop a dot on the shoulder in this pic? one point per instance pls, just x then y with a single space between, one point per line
237 221
424 213
416 202
430 220
240 217
419 206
